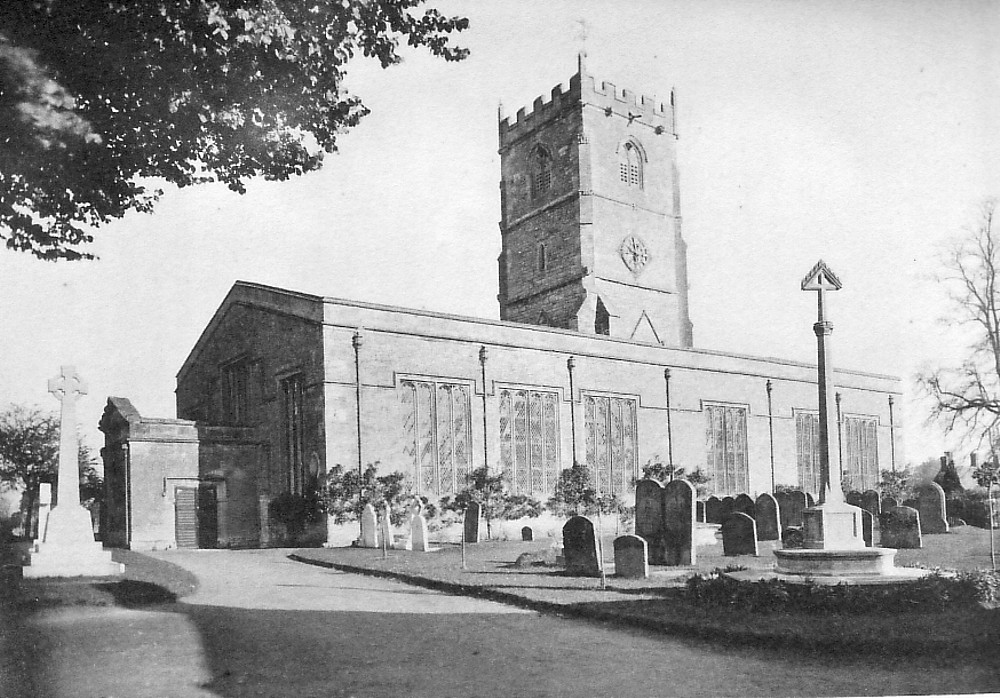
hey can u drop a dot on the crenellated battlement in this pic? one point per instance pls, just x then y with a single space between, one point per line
585 89
542 108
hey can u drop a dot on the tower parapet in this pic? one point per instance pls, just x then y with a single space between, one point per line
585 89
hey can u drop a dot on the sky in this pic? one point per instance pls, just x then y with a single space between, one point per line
861 133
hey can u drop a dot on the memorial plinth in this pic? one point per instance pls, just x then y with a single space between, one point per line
66 546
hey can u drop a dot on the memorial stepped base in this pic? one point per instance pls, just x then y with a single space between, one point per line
69 549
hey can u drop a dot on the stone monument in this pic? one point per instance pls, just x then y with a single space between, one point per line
66 547
833 541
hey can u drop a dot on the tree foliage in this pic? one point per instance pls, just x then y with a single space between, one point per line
895 484
575 493
967 396
29 456
496 502
99 96
347 492
654 469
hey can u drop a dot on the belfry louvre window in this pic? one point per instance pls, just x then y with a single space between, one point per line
292 424
541 176
807 451
859 453
437 423
727 449
610 428
529 439
630 166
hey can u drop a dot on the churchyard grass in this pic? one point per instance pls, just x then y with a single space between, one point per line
660 603
146 581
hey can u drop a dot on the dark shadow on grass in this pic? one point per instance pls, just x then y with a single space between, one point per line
329 653
132 593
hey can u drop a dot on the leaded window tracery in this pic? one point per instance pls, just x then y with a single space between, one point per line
529 439
807 451
630 166
859 453
437 423
727 449
611 453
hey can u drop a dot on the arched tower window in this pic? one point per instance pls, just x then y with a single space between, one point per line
541 170
602 319
630 165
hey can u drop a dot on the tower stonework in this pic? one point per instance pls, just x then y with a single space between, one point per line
591 221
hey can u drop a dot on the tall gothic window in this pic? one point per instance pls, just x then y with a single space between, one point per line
807 451
727 449
610 428
292 426
241 385
630 165
437 423
541 170
529 439
859 453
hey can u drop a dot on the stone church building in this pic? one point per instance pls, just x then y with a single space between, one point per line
593 360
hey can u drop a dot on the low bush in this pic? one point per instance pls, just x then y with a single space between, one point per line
931 593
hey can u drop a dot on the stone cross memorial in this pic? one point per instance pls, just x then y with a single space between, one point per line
833 531
66 548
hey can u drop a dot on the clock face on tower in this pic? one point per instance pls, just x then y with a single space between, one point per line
634 253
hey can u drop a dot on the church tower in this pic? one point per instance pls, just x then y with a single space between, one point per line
591 220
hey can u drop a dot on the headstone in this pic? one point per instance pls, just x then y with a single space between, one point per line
745 504
768 517
900 528
792 537
854 499
68 548
791 506
739 535
527 533
631 560
728 507
369 528
810 500
931 505
418 534
44 507
678 523
699 511
385 527
580 547
888 503
713 510
473 523
871 502
867 527
649 518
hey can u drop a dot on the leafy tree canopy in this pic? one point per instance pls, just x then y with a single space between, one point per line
29 456
97 96
496 501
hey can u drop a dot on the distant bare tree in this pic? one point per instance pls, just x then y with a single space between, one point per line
967 397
